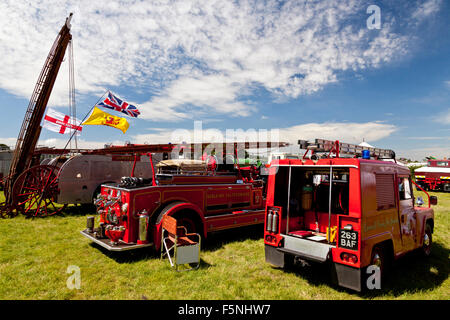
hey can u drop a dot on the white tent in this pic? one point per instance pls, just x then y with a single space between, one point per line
365 144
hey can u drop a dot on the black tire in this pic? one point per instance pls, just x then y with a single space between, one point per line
189 221
378 258
427 240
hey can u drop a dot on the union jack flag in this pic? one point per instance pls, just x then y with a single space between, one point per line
114 103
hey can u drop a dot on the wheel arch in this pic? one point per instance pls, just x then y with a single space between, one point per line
430 221
383 240
387 247
176 207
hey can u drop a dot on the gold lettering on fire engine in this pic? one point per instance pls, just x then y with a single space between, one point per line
223 195
380 224
215 195
240 194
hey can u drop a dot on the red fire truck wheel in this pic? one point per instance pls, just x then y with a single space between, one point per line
427 240
188 221
378 259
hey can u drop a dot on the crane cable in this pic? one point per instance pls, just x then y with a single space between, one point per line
72 105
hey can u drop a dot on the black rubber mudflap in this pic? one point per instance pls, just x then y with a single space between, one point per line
346 276
274 256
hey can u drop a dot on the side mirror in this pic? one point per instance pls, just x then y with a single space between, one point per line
433 200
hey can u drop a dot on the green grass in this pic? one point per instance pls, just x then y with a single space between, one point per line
35 255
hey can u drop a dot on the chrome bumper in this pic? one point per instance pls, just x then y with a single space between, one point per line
106 243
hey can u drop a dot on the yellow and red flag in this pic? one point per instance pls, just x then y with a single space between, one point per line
101 118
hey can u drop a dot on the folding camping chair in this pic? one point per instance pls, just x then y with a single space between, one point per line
178 245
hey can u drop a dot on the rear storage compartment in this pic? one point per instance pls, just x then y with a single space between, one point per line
309 207
310 214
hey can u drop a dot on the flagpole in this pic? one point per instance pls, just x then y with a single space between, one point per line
75 131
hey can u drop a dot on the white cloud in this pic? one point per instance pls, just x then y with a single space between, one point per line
195 58
426 9
443 117
81 143
346 132
438 151
61 143
212 93
10 142
343 131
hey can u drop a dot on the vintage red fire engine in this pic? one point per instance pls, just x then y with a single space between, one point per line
435 176
351 212
201 197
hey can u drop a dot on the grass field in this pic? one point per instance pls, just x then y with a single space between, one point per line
35 255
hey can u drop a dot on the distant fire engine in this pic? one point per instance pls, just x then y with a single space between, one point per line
435 176
351 212
208 197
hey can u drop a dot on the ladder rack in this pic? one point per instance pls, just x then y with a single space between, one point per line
337 148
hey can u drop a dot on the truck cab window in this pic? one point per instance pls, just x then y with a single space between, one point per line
404 189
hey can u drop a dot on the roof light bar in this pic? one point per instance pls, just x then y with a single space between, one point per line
322 145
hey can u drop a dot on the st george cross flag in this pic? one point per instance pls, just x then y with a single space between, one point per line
59 122
115 103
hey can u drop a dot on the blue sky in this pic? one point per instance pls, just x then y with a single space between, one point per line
307 69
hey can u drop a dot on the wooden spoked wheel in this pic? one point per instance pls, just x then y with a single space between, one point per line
35 192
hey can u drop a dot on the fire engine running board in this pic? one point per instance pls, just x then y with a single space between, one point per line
105 243
307 249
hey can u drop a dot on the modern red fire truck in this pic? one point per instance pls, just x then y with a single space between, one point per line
351 212
435 176
217 198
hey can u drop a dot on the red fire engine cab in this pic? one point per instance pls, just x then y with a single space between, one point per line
435 176
350 212
203 197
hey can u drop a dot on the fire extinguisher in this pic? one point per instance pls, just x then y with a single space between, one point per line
143 227
269 221
275 222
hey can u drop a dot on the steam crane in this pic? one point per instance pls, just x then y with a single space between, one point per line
23 186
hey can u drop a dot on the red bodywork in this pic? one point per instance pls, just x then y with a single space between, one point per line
201 203
372 207
203 199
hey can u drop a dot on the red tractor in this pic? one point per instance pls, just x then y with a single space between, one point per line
202 196
349 212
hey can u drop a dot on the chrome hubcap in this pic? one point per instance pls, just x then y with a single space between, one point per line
426 240
376 260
